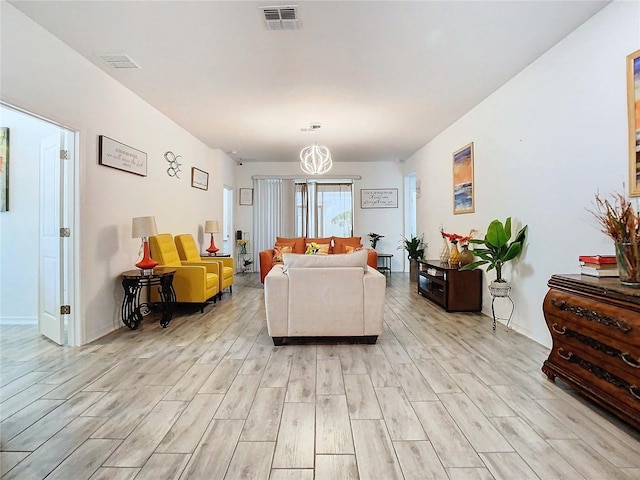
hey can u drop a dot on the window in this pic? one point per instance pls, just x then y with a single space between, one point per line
324 209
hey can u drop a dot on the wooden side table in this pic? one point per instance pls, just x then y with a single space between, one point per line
133 309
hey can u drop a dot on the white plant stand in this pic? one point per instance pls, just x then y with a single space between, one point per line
501 291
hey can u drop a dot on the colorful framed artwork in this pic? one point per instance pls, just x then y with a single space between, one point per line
199 179
4 169
246 196
463 188
633 102
120 156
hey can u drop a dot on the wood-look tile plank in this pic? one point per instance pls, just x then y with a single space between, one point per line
251 461
238 400
24 418
436 376
333 432
451 445
127 417
401 420
45 428
361 398
374 451
20 383
186 432
468 473
8 460
221 377
221 437
84 462
302 383
352 361
380 371
276 373
329 377
166 466
507 466
415 386
485 399
537 453
419 460
291 474
186 388
295 444
586 460
136 449
331 467
264 417
476 427
114 473
52 452
17 402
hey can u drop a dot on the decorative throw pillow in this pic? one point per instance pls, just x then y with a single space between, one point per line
278 250
320 241
350 249
314 248
296 242
340 243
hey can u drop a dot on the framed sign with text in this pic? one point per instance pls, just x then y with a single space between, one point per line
379 198
118 155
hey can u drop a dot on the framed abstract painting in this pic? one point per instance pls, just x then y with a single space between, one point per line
463 188
633 102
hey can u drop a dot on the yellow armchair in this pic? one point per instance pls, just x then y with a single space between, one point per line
192 283
190 255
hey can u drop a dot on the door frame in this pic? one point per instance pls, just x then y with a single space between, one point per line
69 264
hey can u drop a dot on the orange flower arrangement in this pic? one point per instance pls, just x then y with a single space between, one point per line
455 238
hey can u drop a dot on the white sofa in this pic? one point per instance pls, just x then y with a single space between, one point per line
324 296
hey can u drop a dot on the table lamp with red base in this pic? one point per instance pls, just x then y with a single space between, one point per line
211 226
144 227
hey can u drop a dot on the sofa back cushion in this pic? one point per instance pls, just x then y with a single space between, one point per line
297 243
356 259
164 251
340 243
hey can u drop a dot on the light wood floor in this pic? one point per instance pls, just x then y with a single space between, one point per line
440 396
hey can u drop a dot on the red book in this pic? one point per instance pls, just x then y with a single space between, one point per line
598 259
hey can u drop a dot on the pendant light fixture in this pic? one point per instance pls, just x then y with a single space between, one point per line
315 159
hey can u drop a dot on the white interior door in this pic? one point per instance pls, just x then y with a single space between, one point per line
50 291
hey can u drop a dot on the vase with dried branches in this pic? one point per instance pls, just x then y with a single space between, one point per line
621 222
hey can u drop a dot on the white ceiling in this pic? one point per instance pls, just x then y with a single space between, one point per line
382 77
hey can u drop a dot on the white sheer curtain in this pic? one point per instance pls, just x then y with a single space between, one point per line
324 209
273 212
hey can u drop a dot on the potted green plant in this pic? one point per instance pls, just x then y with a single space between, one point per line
414 247
375 237
496 248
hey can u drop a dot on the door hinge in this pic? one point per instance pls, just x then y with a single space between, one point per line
65 232
65 309
64 154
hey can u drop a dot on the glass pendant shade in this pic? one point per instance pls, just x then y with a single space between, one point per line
315 160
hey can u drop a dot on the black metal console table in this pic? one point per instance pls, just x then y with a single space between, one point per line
133 309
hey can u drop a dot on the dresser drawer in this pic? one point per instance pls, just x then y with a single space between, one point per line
600 318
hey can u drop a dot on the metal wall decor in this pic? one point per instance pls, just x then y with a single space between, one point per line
174 167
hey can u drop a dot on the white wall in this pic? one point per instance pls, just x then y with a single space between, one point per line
19 227
545 143
42 75
387 221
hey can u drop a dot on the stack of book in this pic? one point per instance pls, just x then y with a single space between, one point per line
598 265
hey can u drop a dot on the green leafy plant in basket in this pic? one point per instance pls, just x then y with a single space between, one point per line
414 246
496 248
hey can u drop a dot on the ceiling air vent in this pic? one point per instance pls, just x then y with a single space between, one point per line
281 18
118 60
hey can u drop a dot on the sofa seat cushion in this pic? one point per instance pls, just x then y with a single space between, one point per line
355 259
212 280
340 243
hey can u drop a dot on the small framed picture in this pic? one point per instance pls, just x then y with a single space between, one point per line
199 179
246 196
633 99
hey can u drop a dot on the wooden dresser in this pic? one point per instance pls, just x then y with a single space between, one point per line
595 327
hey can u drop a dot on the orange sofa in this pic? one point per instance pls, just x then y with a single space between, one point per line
269 258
